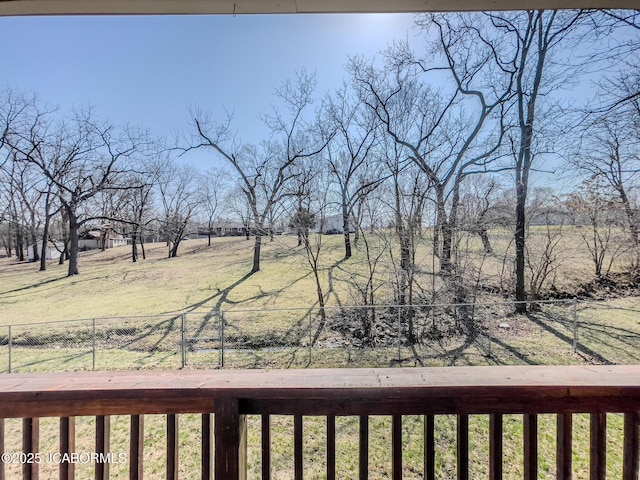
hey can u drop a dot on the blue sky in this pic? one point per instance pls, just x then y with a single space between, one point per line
148 70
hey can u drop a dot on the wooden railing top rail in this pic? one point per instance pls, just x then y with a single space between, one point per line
461 390
530 389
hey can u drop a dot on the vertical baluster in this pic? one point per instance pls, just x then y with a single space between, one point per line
364 447
266 447
463 447
103 440
67 446
331 447
495 446
207 447
598 446
396 439
631 460
297 446
564 432
136 447
30 444
172 447
530 422
429 448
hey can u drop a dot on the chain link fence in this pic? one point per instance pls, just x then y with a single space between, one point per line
93 344
373 336
551 332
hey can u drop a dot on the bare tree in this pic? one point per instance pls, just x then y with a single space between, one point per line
302 220
264 173
592 208
612 154
136 204
406 198
350 155
235 202
448 133
477 198
178 193
533 36
212 189
89 158
312 220
544 258
16 113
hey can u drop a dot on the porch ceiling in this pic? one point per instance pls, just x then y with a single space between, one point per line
113 7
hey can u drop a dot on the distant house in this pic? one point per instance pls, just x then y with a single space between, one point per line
94 238
53 253
112 242
89 240
333 225
228 228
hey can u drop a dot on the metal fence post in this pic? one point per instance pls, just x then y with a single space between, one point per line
183 339
221 340
10 347
489 331
575 325
399 326
310 338
93 349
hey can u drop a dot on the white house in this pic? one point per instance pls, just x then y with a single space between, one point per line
52 252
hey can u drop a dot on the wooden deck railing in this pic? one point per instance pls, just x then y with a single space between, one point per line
231 395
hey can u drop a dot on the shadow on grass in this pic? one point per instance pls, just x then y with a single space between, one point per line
59 359
615 339
544 320
523 357
35 285
222 298
299 329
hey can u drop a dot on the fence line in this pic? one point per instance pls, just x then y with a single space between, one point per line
363 335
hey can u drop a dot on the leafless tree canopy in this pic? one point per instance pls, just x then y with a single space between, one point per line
463 163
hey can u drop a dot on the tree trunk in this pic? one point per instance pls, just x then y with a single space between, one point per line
73 242
445 229
45 234
45 239
521 294
347 234
633 224
144 254
20 244
134 247
323 315
34 241
256 254
484 236
64 255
